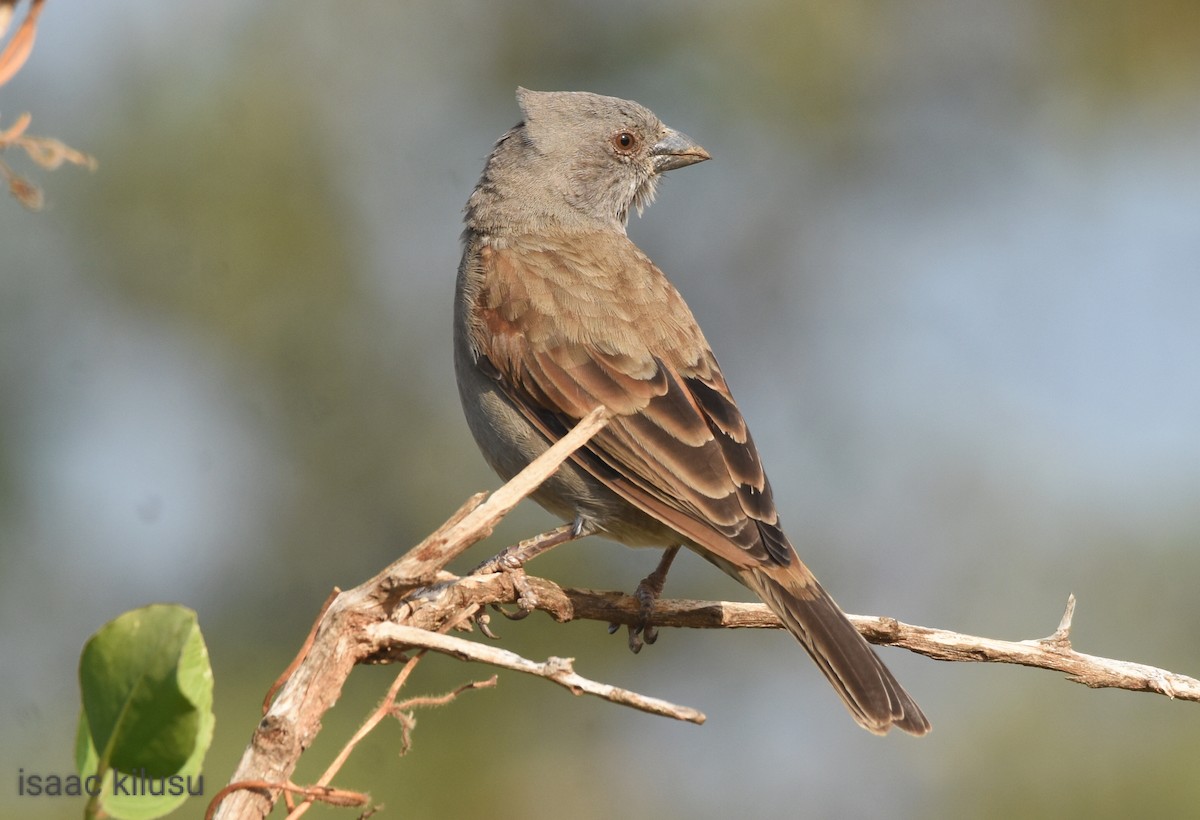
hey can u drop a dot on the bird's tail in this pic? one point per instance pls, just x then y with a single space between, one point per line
868 689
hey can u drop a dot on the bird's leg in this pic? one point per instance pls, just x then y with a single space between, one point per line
518 555
647 593
512 560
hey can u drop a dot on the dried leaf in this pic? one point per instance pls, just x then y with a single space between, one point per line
26 192
19 47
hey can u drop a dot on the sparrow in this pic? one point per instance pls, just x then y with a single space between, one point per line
557 312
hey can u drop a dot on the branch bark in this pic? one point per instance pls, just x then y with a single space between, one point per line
399 593
1053 652
411 603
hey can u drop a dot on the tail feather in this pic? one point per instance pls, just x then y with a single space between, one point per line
875 699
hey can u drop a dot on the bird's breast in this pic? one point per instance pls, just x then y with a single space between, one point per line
590 291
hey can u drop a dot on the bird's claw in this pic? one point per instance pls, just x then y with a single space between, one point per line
517 615
639 635
647 593
642 632
527 599
483 621
505 561
510 563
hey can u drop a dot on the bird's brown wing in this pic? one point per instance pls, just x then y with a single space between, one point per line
677 447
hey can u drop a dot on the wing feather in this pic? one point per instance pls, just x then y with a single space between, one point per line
677 447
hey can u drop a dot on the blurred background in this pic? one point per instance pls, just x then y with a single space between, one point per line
947 254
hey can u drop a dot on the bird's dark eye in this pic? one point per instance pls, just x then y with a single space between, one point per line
625 141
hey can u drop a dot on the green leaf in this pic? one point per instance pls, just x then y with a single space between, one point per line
147 718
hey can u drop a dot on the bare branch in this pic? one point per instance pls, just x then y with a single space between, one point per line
558 670
412 602
1053 652
294 719
381 711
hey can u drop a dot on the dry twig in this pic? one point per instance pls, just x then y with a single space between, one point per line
411 602
559 670
400 593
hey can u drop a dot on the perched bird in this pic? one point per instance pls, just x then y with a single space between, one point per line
557 311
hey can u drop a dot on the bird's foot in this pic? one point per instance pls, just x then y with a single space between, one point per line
518 555
503 561
643 632
511 561
526 599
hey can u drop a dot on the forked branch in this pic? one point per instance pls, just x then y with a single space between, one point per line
409 606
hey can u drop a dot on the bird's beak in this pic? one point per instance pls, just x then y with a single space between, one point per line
676 150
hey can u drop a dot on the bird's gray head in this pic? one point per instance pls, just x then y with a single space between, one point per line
577 160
